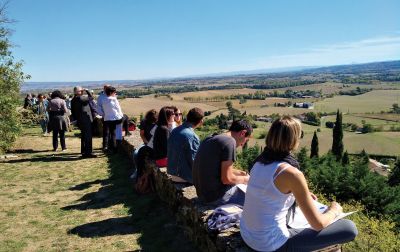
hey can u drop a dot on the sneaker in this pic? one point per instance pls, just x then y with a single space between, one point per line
64 149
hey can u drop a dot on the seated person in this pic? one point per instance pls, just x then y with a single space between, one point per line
147 124
161 135
275 183
213 174
183 144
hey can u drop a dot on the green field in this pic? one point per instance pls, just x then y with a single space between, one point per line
374 101
356 109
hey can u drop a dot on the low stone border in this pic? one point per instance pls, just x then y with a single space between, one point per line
189 212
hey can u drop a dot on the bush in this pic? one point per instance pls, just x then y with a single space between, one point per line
10 82
330 125
246 158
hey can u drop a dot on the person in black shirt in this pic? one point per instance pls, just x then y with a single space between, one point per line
161 135
82 113
147 124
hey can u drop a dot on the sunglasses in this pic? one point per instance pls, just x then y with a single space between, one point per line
178 114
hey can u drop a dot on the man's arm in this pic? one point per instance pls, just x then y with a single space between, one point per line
231 176
100 105
86 99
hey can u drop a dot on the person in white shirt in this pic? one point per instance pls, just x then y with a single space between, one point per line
106 131
275 183
112 116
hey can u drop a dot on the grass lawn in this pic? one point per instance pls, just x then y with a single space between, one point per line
55 201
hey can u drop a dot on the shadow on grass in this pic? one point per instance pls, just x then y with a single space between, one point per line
27 151
86 185
47 158
148 215
109 227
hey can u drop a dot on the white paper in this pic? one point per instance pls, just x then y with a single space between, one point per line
300 221
242 187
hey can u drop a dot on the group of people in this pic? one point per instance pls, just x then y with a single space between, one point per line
56 113
275 185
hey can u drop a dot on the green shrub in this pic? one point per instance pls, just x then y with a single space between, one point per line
11 78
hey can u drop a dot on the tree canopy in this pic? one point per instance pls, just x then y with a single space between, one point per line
11 78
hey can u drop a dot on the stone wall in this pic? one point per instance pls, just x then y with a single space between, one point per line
189 212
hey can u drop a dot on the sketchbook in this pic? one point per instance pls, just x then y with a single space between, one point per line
242 187
300 221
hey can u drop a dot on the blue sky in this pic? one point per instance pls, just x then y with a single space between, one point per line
120 39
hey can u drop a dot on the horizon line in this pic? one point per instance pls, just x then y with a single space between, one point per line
223 74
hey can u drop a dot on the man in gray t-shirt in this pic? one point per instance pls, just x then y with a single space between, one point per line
213 174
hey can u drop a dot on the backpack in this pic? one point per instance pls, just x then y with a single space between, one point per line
145 183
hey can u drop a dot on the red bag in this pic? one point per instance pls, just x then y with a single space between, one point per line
145 184
162 162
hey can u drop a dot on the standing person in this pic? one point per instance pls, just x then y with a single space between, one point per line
275 183
161 135
112 116
106 131
42 113
28 101
82 113
214 177
57 108
68 114
68 102
147 124
34 100
183 144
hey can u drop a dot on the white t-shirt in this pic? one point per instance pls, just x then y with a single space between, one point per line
263 223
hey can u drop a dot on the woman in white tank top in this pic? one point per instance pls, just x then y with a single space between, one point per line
275 183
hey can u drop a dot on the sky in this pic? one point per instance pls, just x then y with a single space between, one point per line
82 40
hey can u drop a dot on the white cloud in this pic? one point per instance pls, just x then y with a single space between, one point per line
367 50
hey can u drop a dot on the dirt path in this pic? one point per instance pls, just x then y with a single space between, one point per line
55 201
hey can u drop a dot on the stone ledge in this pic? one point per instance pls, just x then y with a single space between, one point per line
189 212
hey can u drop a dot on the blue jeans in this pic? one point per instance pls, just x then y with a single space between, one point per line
301 240
43 124
233 196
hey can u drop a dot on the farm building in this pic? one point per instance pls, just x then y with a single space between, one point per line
307 105
378 167
264 119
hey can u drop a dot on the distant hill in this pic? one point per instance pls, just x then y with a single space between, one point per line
381 67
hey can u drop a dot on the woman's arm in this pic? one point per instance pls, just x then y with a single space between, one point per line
293 180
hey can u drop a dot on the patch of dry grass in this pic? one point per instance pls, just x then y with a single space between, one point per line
136 106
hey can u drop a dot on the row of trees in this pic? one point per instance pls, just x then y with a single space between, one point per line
336 174
264 84
258 95
357 91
